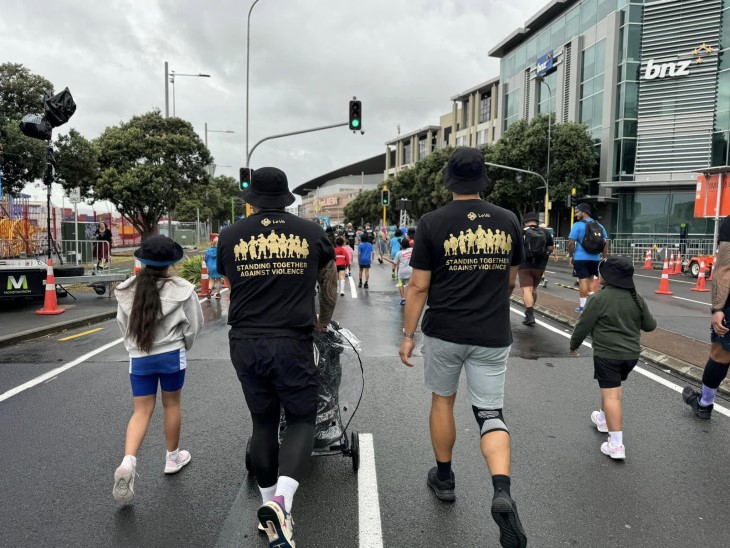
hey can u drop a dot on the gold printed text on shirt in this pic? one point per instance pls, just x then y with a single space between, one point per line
469 249
275 249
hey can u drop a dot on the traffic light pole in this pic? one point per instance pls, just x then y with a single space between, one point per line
385 208
547 189
572 209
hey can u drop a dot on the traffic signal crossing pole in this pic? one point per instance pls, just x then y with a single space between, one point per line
385 198
572 206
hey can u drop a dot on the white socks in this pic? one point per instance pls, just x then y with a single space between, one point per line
173 454
130 461
286 487
583 301
616 438
267 493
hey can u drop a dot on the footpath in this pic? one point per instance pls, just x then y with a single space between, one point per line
682 355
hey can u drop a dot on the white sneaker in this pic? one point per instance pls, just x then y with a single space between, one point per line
616 452
277 524
174 465
599 419
124 483
342 294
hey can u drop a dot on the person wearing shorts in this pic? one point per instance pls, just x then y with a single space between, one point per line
615 318
585 264
157 339
272 318
467 326
702 402
402 263
532 270
342 261
364 258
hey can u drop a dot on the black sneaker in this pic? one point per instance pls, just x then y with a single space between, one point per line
692 398
504 513
444 490
529 317
367 286
360 284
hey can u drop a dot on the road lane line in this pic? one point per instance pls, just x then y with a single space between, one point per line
81 359
691 300
353 289
30 384
81 334
370 530
657 278
669 384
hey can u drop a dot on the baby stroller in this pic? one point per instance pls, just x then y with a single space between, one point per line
341 386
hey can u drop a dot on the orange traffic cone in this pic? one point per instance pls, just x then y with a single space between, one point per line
225 283
701 280
647 261
204 288
664 283
712 270
595 284
677 265
137 266
50 304
671 265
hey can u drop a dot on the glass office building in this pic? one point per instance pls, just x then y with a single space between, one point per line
649 80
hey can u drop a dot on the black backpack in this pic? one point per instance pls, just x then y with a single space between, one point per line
535 244
593 240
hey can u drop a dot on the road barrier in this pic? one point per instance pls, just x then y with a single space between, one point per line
50 303
700 287
664 282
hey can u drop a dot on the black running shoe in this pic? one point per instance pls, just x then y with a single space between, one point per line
444 490
692 398
529 317
504 513
367 286
360 284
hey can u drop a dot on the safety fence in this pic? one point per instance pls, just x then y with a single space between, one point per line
92 255
660 247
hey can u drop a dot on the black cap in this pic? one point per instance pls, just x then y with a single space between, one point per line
159 251
269 189
617 271
585 208
466 172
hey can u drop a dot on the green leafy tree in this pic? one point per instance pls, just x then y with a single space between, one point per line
22 159
213 202
148 165
78 163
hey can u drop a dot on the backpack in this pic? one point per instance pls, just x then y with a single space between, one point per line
535 245
593 240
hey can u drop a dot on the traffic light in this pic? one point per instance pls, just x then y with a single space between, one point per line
244 177
385 197
355 115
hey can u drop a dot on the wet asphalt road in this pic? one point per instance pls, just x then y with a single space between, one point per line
62 440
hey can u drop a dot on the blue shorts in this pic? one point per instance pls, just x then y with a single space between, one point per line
146 385
585 269
724 340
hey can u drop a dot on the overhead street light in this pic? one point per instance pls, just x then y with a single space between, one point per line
214 131
170 79
541 80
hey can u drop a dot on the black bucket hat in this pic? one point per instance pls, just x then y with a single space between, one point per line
466 172
618 272
269 189
159 251
531 217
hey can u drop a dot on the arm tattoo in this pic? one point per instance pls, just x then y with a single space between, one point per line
721 276
327 278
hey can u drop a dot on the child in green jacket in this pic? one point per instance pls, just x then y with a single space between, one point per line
614 318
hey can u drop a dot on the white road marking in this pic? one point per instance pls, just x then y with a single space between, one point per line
669 384
370 530
353 289
691 300
657 278
81 359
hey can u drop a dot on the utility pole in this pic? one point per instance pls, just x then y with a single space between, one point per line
385 209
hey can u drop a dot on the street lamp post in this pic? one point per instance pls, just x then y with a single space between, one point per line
214 131
542 80
170 79
248 63
518 170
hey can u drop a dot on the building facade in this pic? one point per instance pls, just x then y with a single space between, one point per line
648 79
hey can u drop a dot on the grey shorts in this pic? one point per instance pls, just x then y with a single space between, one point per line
485 370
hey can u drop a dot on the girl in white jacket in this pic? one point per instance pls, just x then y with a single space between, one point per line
159 316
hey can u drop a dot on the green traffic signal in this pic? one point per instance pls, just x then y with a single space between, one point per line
244 177
356 123
355 118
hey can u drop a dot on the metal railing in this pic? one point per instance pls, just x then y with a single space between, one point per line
87 253
636 248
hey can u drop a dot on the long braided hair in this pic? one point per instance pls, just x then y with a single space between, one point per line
637 300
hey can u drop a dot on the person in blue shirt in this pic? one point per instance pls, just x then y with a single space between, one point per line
365 258
395 248
583 262
215 278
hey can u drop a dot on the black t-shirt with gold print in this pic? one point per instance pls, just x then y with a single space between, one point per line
469 247
271 260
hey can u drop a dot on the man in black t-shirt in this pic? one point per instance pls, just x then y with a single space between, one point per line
273 260
465 263
538 245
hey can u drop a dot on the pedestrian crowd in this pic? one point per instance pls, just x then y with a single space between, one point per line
455 273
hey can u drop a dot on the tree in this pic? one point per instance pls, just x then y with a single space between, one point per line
78 163
148 165
214 202
22 159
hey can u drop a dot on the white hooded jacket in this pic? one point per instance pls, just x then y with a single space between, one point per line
181 321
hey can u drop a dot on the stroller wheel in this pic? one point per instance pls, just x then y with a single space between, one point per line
355 451
249 465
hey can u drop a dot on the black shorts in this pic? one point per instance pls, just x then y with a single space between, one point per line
276 372
364 265
585 269
341 268
610 373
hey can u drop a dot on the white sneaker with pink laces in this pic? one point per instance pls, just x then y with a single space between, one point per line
175 462
599 419
616 452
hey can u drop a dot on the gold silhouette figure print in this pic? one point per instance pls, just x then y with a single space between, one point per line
270 247
478 249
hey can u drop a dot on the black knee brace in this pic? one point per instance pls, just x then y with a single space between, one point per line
490 420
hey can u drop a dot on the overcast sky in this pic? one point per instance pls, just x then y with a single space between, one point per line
403 58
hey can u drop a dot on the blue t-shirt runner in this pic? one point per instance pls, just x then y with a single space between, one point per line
365 254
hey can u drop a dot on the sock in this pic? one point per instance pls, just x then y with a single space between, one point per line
286 487
708 396
173 454
129 460
267 493
444 470
502 482
583 301
616 438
